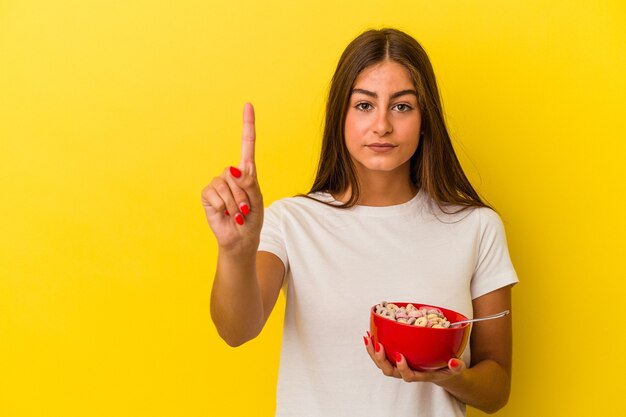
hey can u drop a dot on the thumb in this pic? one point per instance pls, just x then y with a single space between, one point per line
456 366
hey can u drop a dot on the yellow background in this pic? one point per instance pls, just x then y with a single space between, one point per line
115 114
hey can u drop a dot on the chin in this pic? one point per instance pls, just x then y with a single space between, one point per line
386 166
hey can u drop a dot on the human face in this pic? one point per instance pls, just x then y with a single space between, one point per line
383 120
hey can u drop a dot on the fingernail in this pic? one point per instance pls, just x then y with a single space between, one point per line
398 357
365 340
377 347
235 172
226 213
369 335
454 363
244 209
239 219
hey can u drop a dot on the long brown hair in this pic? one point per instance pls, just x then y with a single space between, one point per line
434 167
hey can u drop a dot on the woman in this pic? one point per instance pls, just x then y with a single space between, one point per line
391 216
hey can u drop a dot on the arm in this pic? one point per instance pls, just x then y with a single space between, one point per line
244 293
486 383
246 284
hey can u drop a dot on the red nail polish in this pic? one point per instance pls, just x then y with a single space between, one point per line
377 347
226 213
398 357
369 335
239 219
365 340
235 172
454 363
244 209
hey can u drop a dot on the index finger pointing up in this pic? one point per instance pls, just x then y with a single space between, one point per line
248 138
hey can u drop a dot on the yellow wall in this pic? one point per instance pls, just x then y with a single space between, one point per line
115 114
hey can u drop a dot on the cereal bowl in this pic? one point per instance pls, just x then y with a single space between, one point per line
424 348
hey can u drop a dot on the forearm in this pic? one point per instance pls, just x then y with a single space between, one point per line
236 300
485 386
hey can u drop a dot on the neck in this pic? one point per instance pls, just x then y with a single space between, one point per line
382 189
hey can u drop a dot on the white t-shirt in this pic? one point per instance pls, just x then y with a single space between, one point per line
339 263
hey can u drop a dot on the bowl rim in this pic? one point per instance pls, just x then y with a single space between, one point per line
462 326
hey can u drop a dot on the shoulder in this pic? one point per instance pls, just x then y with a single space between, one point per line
479 215
489 227
489 219
478 222
485 220
300 214
315 201
487 216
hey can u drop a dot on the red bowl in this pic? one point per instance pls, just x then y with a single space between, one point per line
424 348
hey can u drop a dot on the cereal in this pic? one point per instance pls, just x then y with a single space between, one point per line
414 316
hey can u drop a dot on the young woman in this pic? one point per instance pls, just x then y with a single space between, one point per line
390 216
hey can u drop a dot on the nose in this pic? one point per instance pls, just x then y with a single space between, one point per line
382 124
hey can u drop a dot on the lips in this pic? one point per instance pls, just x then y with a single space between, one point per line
380 146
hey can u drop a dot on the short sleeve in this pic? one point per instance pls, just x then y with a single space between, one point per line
272 236
494 268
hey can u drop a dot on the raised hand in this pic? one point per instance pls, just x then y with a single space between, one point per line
232 202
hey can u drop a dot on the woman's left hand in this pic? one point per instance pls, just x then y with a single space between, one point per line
402 370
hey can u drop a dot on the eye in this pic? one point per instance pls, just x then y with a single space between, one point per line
363 106
403 107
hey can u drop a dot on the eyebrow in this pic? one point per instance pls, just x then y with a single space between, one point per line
374 95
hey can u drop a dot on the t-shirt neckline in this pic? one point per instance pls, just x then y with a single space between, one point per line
393 210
